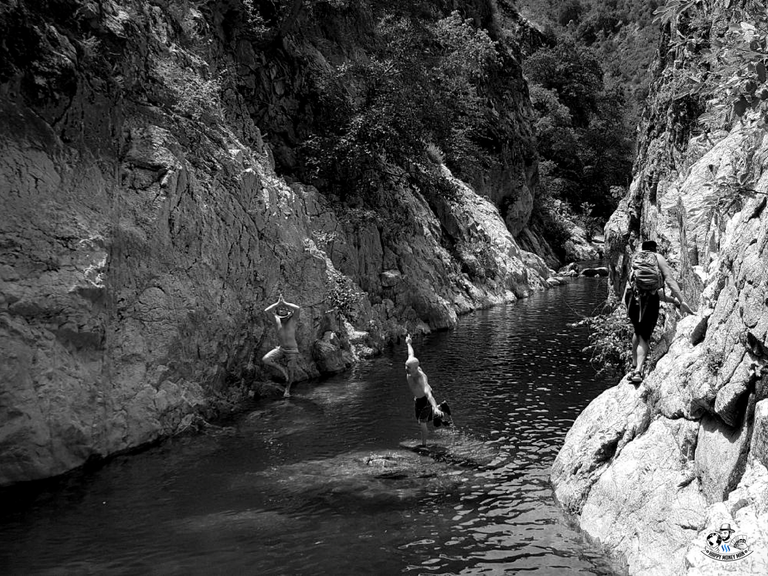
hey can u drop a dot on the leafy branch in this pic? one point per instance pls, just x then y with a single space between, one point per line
735 64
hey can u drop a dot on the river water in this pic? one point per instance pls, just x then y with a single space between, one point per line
231 502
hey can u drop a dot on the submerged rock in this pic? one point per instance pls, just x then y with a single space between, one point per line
389 478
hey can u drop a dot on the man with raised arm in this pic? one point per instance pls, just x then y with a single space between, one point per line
286 318
424 402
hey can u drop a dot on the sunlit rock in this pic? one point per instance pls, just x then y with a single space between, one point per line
649 499
605 427
702 196
721 456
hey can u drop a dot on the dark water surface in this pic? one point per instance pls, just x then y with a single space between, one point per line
516 378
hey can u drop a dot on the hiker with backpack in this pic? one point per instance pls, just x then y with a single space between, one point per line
649 272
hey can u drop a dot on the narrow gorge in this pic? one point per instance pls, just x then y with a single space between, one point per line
168 168
651 471
147 222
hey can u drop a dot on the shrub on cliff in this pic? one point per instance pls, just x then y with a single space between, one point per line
732 73
610 338
381 110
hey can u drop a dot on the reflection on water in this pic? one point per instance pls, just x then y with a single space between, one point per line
267 495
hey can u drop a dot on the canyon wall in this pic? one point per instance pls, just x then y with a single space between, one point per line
145 228
652 471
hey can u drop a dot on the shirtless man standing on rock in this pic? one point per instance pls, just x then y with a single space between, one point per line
424 403
286 316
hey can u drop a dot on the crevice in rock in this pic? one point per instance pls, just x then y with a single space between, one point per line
741 465
699 333
607 451
758 209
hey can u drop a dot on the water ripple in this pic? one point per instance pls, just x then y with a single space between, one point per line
263 497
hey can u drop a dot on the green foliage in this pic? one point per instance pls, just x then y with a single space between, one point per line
549 212
736 181
573 72
621 34
578 128
435 154
193 95
342 295
198 97
381 110
737 61
570 12
714 361
476 260
610 338
674 9
731 75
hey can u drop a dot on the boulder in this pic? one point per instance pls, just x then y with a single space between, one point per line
599 434
329 356
648 499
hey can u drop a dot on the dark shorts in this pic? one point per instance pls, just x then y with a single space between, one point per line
423 409
280 354
649 305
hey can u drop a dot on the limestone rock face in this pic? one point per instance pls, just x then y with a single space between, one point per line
605 427
144 230
703 199
645 501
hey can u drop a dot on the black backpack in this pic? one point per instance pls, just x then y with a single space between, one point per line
645 277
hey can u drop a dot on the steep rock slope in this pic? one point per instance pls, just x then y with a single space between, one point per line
652 471
144 230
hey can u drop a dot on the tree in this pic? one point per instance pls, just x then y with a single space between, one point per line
573 72
570 11
419 87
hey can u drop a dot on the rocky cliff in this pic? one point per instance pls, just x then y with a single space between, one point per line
145 228
651 472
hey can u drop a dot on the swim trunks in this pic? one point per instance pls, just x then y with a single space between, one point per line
423 409
650 314
289 354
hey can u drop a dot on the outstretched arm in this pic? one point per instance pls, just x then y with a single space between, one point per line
409 343
678 300
427 388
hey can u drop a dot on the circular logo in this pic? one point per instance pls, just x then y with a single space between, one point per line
725 546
